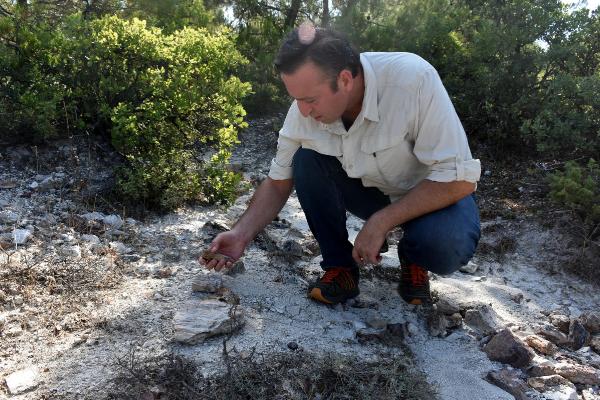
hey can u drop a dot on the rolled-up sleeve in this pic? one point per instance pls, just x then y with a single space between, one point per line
441 142
281 165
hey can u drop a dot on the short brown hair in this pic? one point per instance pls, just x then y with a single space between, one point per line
329 50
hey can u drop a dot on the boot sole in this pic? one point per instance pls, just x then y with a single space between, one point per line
317 295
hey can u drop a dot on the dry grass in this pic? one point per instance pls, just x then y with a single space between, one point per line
293 375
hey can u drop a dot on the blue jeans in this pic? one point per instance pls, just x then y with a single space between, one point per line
441 241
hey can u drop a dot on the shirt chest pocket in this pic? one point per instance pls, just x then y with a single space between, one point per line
391 158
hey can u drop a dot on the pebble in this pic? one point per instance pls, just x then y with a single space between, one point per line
293 346
470 268
20 236
22 381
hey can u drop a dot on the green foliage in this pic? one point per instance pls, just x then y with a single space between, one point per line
568 117
161 97
577 188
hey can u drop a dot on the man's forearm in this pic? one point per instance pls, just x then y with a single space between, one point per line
267 201
426 197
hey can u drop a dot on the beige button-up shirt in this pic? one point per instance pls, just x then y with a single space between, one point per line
406 131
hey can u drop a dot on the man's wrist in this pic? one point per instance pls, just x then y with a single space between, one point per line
382 221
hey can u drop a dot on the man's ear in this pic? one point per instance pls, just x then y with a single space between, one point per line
345 80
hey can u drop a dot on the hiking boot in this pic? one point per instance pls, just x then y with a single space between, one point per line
335 286
414 284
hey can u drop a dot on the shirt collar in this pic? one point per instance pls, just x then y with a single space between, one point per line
370 109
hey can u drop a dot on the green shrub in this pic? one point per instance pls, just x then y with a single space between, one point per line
577 188
568 118
169 102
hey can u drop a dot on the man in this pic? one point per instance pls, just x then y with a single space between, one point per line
374 134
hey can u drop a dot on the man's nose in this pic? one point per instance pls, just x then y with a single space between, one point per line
304 108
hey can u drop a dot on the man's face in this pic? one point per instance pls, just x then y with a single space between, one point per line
312 90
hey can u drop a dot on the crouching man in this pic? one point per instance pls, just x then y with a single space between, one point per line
374 134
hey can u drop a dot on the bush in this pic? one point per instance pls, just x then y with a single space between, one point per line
168 102
568 117
578 189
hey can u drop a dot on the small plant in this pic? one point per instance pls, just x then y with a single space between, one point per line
578 189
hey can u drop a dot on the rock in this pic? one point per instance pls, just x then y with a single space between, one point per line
235 269
207 282
554 335
576 373
8 217
470 268
562 322
554 387
292 248
595 344
578 335
412 329
586 355
113 221
541 366
6 241
93 216
206 318
22 381
8 184
454 321
14 331
591 322
507 348
399 330
226 295
377 322
293 346
120 248
370 334
588 394
93 239
2 322
71 251
165 273
20 236
447 307
436 323
364 301
517 297
483 319
509 381
541 345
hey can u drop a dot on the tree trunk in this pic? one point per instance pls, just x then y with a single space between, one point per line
325 19
292 15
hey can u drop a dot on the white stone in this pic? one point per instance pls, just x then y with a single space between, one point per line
470 268
205 318
561 393
71 251
207 282
34 185
20 236
114 221
93 216
8 217
22 381
93 239
120 248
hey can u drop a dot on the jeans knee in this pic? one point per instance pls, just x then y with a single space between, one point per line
441 255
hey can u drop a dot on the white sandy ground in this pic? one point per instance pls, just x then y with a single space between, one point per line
279 312
139 313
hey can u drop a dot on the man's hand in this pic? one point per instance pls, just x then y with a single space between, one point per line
368 242
228 244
